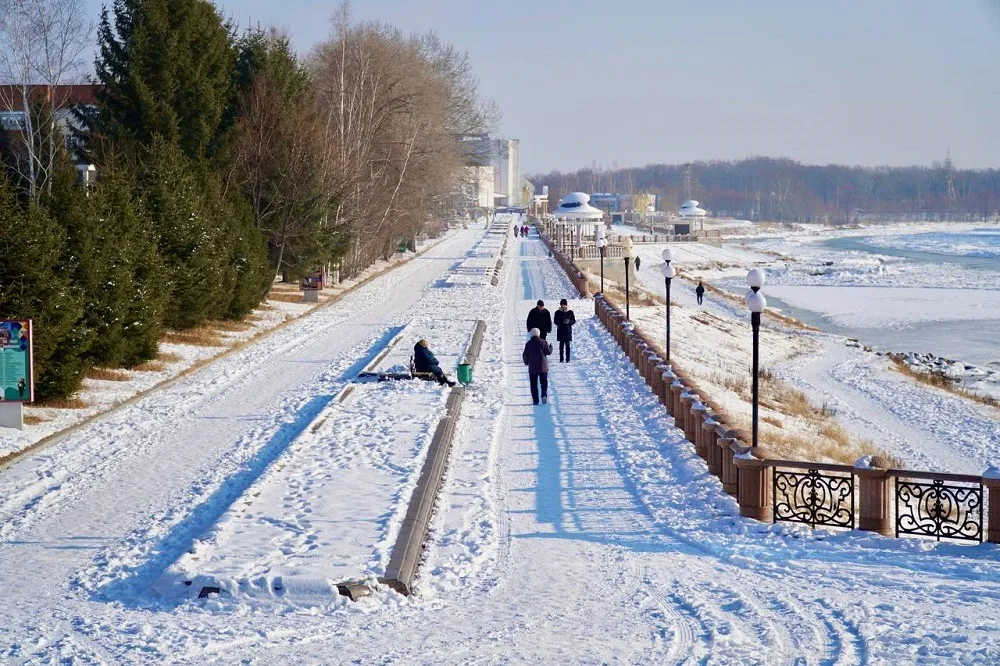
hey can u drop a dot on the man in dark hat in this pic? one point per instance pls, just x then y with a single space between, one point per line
540 318
564 321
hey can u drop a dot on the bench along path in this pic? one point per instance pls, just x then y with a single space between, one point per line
328 510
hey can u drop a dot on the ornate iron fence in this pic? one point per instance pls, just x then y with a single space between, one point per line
940 510
813 498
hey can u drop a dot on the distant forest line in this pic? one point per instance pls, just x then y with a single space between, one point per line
779 189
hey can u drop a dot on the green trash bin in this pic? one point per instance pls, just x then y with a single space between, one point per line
465 374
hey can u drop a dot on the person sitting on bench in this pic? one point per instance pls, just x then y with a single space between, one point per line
425 362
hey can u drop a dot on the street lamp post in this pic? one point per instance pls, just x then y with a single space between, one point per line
602 242
627 254
756 304
668 274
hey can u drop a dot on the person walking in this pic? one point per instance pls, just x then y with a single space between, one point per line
540 318
564 320
700 292
535 356
517 230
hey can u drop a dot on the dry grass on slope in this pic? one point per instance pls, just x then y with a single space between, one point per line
791 426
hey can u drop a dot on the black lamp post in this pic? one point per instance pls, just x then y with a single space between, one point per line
601 244
668 274
756 304
627 253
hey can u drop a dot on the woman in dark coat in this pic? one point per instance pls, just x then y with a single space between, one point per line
564 320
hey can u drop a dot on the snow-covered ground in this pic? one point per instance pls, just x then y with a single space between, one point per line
583 531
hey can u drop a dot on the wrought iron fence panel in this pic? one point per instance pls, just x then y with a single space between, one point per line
939 510
813 498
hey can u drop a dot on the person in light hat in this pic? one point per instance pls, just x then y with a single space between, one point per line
535 356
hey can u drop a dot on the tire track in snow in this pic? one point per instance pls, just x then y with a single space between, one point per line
684 638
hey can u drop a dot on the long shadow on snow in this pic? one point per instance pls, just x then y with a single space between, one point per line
567 507
132 588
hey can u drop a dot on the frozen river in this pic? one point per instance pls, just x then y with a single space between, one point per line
936 292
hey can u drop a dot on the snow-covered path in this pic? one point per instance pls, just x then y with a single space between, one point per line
582 531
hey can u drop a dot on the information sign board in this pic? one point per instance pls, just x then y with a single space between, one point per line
16 380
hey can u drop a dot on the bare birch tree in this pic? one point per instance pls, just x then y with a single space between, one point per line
41 44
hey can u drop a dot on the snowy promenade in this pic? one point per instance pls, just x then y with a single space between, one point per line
582 531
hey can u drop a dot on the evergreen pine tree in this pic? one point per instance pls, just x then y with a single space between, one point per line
124 220
251 271
166 69
35 285
192 236
113 260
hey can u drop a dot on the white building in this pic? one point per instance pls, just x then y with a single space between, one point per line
477 186
506 159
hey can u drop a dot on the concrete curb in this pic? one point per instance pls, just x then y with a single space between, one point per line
15 457
409 547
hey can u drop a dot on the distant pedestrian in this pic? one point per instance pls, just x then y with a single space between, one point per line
535 356
637 262
700 292
564 320
517 230
524 231
540 318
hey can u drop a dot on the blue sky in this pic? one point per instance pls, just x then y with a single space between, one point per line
845 81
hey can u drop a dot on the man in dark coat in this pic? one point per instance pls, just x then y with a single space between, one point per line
425 361
564 321
700 292
517 231
534 356
540 318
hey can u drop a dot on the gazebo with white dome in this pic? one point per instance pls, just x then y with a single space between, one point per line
690 209
575 212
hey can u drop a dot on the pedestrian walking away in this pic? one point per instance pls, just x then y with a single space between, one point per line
517 231
425 361
524 231
564 320
535 356
540 318
700 292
